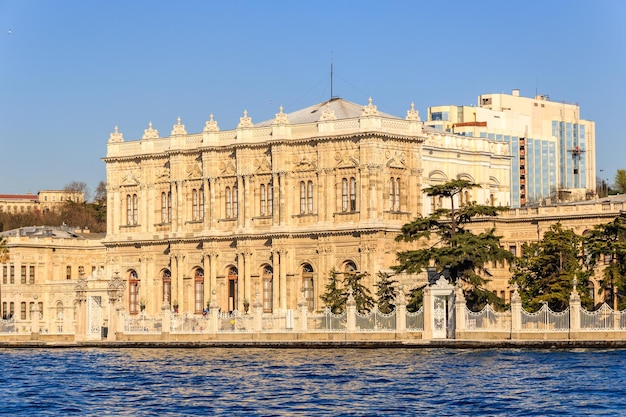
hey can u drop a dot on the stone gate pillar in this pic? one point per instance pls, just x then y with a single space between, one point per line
516 311
574 309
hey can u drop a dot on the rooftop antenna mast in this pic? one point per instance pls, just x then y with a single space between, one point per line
331 75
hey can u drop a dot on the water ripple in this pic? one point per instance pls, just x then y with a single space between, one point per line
298 382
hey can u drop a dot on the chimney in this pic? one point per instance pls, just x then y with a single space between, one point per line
515 92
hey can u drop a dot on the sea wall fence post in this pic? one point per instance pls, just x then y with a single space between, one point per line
303 311
574 309
461 309
350 313
516 312
166 317
34 320
400 311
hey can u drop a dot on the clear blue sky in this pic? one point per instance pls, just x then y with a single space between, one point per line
70 71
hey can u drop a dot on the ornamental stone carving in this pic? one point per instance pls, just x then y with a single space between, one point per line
245 121
281 118
150 133
178 129
211 125
116 136
370 109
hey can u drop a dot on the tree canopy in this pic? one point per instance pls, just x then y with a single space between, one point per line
452 246
337 292
545 271
608 242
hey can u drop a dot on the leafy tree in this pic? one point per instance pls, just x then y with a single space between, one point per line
333 298
415 298
352 281
608 241
77 188
386 293
464 253
546 269
100 196
620 181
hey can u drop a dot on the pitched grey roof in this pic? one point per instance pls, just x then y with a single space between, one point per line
343 109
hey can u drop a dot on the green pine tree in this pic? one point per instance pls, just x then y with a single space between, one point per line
464 253
333 297
386 293
362 295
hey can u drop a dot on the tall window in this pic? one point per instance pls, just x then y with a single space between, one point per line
199 290
263 200
306 197
344 194
31 276
197 204
394 194
308 286
23 310
268 289
167 287
235 202
166 207
5 272
348 194
68 272
23 274
12 274
132 209
231 202
194 204
133 293
302 197
352 194
233 288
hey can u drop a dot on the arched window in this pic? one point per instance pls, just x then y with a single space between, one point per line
263 200
268 289
132 209
270 199
267 199
349 267
309 193
166 207
308 286
394 194
199 290
352 194
167 286
344 194
133 292
302 197
194 204
229 203
233 288
235 202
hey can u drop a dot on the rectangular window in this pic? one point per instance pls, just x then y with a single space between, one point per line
344 195
194 204
268 294
12 274
31 275
201 203
270 199
23 274
263 204
5 273
199 295
135 209
302 197
68 272
164 215
310 196
229 203
31 307
23 310
235 202
352 194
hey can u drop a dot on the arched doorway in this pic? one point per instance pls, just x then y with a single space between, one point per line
133 292
268 288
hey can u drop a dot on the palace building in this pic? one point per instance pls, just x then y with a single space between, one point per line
264 212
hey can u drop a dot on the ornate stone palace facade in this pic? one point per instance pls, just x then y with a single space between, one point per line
263 212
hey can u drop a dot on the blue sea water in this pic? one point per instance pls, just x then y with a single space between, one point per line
312 382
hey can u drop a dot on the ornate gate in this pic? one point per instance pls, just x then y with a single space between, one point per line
94 317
